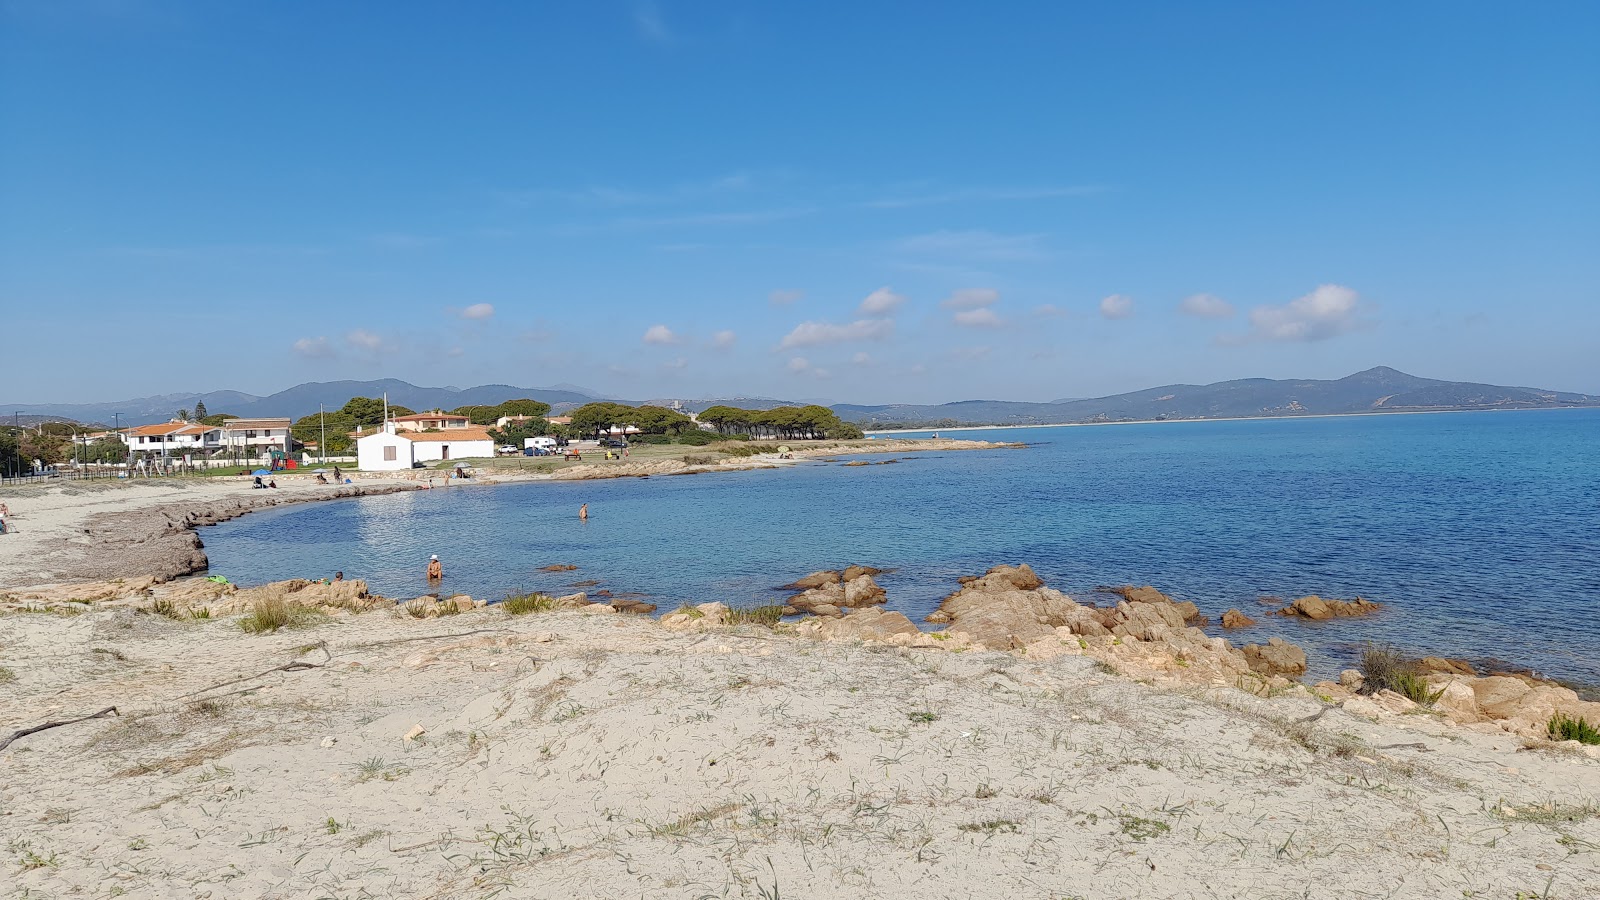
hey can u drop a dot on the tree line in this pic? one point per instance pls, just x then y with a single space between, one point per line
781 422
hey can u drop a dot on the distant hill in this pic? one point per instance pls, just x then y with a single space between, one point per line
1381 389
1375 390
300 400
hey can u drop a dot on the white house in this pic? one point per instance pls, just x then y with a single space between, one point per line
383 451
171 438
255 437
429 421
391 449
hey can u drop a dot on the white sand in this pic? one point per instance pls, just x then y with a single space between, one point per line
624 760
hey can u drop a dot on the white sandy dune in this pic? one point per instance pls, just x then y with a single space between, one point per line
587 755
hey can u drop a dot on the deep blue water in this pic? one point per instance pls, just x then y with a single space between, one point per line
1481 531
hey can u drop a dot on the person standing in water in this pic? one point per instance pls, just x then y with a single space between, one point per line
435 570
583 512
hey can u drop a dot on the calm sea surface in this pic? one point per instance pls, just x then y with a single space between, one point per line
1481 531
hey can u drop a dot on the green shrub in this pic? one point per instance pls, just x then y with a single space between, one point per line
1385 668
650 439
697 438
1565 728
766 614
522 604
167 609
272 613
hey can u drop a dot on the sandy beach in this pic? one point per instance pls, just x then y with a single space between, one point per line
378 750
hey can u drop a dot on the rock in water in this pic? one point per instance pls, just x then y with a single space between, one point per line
1276 657
1233 618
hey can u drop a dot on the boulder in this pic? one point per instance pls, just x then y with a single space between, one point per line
830 594
559 567
1319 609
1435 665
851 573
1233 618
696 618
346 595
1457 702
1351 679
863 591
814 580
827 610
1276 657
1499 696
870 624
573 601
638 607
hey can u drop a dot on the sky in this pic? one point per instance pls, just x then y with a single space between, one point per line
870 203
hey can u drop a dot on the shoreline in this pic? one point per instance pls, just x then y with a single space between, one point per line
87 531
1353 415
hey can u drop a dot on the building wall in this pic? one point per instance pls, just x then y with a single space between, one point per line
370 455
433 451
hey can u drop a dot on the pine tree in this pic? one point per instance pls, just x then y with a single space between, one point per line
199 410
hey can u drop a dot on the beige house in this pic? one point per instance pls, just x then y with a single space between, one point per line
255 436
430 421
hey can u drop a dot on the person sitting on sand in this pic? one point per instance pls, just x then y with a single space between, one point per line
322 479
435 570
258 483
273 483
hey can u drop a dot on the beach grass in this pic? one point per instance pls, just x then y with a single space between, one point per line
767 614
1566 728
1385 668
523 604
269 614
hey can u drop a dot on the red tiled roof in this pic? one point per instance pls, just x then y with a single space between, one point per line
169 428
454 434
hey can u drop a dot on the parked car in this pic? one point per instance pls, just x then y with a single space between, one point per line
613 444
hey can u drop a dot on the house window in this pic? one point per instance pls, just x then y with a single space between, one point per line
249 434
388 454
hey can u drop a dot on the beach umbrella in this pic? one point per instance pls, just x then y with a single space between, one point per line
783 448
261 472
318 471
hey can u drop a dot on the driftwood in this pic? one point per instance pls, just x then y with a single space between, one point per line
108 711
295 666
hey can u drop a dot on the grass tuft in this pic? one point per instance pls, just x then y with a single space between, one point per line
523 604
1385 668
167 609
1566 728
271 613
766 614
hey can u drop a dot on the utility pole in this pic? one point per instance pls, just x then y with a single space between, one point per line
322 438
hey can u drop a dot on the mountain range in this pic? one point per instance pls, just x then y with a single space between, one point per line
1380 389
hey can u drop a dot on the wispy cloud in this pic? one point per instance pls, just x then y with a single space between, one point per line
1329 311
970 298
724 339
648 23
313 348
975 245
1117 306
808 334
476 312
660 334
784 298
982 317
881 302
1206 306
1049 311
982 195
362 339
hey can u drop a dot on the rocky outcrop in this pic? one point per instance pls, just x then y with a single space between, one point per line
1319 609
630 605
1276 657
1233 618
871 624
1435 665
853 594
559 567
348 596
696 618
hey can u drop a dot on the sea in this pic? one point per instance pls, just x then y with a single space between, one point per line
1479 532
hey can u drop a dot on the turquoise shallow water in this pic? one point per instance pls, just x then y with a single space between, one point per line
1481 531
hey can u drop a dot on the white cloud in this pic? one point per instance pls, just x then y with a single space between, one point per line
313 348
1328 311
1117 306
975 245
982 317
970 298
784 298
799 364
659 334
1206 306
808 334
364 340
881 302
862 358
724 339
1049 311
477 311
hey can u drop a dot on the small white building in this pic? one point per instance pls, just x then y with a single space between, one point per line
391 450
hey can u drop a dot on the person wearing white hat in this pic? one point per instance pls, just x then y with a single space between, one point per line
435 570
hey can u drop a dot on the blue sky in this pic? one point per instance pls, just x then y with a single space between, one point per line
855 202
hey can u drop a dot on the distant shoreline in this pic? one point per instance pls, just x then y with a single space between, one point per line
1354 415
